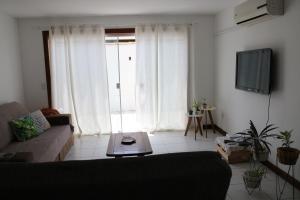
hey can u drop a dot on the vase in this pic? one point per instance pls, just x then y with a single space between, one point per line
287 155
252 182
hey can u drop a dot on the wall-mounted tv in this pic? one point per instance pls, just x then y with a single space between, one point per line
253 70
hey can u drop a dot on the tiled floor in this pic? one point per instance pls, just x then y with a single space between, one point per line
94 147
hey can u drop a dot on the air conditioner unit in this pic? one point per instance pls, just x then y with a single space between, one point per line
254 10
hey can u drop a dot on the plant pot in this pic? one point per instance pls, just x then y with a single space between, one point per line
251 181
261 156
287 155
194 110
204 105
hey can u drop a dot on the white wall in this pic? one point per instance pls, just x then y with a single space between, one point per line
33 57
11 82
237 107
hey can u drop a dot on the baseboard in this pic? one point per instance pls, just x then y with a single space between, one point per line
221 130
283 174
218 129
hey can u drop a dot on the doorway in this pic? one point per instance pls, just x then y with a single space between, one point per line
121 70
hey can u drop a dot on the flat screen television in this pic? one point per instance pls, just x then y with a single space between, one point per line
253 70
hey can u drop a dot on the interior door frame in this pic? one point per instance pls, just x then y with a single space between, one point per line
47 66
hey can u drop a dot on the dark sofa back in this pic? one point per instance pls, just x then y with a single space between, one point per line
193 175
8 112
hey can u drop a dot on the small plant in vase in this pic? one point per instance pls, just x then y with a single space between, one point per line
204 104
286 154
196 106
252 178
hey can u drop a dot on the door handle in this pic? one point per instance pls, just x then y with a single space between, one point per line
118 85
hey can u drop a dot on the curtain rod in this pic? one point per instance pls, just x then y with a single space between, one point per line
47 27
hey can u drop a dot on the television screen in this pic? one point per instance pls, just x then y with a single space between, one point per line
253 70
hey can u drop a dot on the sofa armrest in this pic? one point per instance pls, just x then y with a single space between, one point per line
60 119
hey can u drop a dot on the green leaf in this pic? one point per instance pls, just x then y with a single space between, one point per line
266 145
266 128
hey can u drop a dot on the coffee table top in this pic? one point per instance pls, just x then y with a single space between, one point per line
140 148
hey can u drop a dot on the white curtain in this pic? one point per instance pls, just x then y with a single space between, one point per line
162 70
79 76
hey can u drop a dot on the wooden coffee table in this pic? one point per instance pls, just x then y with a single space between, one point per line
140 148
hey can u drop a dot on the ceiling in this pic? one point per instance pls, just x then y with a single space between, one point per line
64 8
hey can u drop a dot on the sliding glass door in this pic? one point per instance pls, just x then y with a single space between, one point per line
121 68
112 55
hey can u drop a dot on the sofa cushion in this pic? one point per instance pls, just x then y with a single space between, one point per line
45 147
40 121
24 128
9 112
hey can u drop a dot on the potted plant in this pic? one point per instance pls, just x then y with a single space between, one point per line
204 104
260 146
260 152
286 154
252 178
196 106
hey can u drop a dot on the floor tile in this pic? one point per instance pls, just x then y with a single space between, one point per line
237 192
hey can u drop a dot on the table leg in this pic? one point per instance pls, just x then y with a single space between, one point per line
206 127
196 127
212 121
188 125
199 124
195 122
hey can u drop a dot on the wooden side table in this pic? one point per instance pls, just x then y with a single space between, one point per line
207 111
197 121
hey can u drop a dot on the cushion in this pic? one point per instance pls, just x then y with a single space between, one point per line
40 121
24 128
49 112
8 112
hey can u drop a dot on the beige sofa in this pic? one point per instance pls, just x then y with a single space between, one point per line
52 145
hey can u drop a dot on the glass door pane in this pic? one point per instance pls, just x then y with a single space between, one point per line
127 52
112 54
121 69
